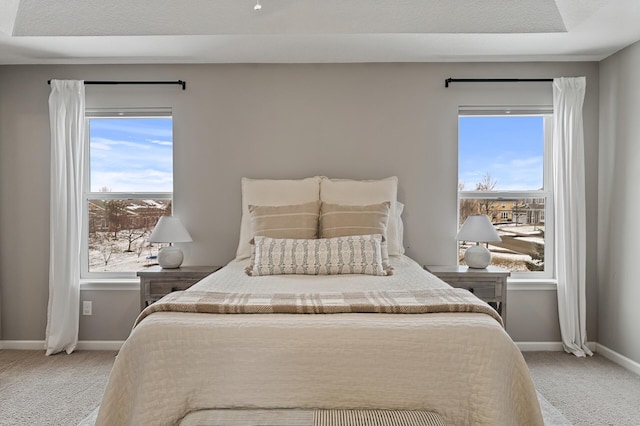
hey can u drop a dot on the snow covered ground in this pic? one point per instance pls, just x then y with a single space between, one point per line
144 254
510 259
116 259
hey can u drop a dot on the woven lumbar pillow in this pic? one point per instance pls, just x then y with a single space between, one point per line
294 221
354 254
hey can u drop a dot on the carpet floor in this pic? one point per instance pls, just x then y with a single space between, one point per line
51 390
65 389
587 391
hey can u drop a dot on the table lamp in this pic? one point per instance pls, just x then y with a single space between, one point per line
170 230
479 229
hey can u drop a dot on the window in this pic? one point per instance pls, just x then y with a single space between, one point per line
129 187
503 171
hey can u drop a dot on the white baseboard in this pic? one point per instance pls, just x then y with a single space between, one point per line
547 346
83 345
99 345
619 359
22 345
539 346
115 345
611 355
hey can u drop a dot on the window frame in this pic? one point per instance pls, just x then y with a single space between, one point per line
545 193
87 195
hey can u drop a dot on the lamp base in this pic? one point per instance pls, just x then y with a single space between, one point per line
170 257
477 257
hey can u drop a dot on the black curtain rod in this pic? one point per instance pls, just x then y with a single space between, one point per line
180 82
491 80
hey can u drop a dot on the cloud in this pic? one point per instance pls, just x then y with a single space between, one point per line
104 143
134 127
131 155
160 142
524 162
510 174
148 180
100 145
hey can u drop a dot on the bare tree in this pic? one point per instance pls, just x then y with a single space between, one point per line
117 215
133 235
487 206
140 248
468 206
486 184
106 246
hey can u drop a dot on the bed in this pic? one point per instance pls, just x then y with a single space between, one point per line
187 361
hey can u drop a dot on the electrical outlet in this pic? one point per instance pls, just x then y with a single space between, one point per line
86 307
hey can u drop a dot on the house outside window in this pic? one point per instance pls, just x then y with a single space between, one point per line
128 187
504 166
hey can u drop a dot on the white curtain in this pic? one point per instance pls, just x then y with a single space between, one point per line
569 202
66 116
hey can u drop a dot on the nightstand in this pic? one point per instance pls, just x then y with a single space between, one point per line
156 282
489 284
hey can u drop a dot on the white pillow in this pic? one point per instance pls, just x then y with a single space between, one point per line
272 192
363 192
400 226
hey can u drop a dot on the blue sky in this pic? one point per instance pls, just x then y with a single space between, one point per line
131 154
509 148
136 154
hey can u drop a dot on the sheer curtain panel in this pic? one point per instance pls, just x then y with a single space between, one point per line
66 115
569 193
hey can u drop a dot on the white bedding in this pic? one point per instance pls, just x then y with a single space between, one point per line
460 365
407 275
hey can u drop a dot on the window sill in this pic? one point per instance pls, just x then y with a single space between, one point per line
109 284
532 284
120 284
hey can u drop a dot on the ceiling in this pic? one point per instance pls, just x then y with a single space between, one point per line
300 31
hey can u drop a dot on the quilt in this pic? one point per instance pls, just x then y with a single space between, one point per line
461 365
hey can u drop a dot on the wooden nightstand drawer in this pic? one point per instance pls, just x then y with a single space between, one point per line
488 284
485 292
155 282
159 287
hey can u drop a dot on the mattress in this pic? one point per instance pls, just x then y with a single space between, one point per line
462 366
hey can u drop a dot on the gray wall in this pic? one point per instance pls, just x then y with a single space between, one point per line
276 121
619 289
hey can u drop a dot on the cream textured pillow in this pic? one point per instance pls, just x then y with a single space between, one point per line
356 254
338 220
363 192
272 192
400 226
297 221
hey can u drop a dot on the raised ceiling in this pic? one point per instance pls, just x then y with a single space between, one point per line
228 31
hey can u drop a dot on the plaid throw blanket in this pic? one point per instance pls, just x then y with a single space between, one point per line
385 302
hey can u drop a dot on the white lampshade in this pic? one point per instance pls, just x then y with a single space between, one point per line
478 228
169 229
